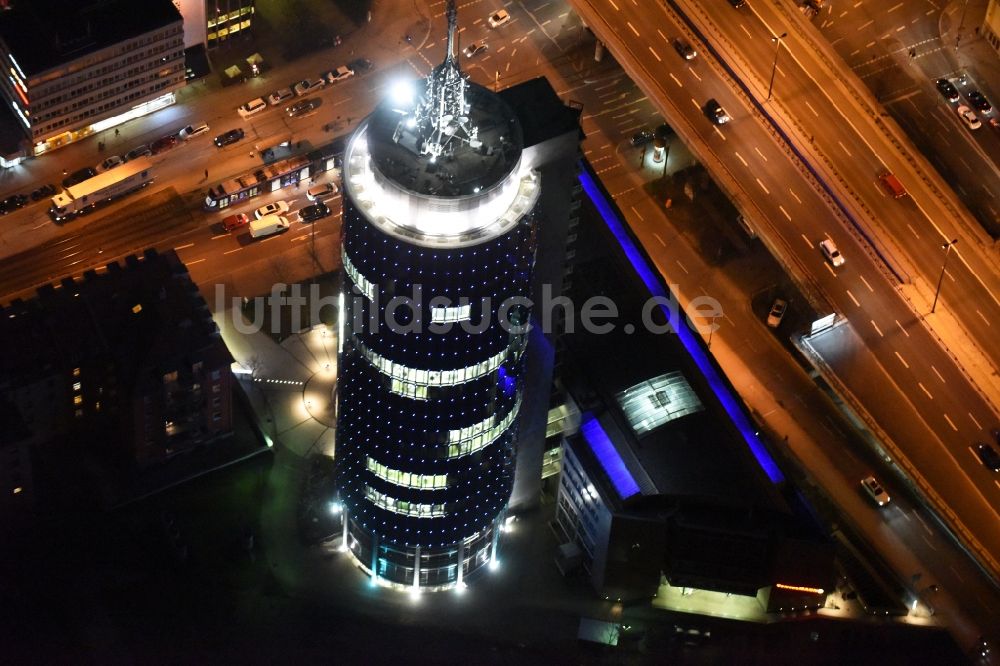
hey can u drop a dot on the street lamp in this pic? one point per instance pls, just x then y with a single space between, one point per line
947 250
774 66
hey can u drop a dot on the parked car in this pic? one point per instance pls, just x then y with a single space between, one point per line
306 86
140 151
968 117
716 113
230 137
79 176
830 251
339 74
684 48
192 131
777 313
947 89
988 456
273 208
43 192
979 102
314 212
875 490
252 108
321 191
12 203
163 143
642 137
279 96
499 18
360 65
235 221
109 163
475 48
302 107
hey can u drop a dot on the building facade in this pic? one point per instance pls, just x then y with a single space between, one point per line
77 68
225 19
438 251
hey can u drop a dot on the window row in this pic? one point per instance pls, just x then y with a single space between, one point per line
479 436
367 288
450 315
403 507
407 479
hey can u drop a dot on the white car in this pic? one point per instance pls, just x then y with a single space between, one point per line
273 208
777 312
832 254
321 191
306 86
875 490
475 48
499 18
969 117
252 108
339 74
109 164
279 96
192 131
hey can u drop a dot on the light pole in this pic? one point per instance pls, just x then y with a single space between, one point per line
944 265
774 66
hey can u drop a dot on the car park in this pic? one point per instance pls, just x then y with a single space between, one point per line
832 254
252 108
42 192
302 107
79 176
968 117
279 96
314 212
306 86
192 131
498 18
475 48
979 102
235 221
140 151
716 113
273 208
230 137
641 138
339 74
321 191
988 456
777 312
947 89
109 163
875 490
162 144
684 48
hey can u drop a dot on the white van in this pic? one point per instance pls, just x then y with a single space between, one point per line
252 107
268 225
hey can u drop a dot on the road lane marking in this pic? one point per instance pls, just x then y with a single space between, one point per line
794 195
638 214
659 239
808 242
766 191
928 542
196 261
953 426
183 247
902 329
680 85
782 209
719 132
975 421
812 109
655 54
912 230
632 28
924 389
231 251
749 34
763 156
866 283
853 299
612 3
741 159
220 236
894 8
929 530
877 329
901 359
938 375
845 149
681 265
695 74
983 317
832 272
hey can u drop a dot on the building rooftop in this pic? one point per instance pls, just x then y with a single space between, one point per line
42 34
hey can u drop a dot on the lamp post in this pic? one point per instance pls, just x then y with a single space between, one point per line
774 66
947 250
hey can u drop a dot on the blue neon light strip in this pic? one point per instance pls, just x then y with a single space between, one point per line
691 344
608 456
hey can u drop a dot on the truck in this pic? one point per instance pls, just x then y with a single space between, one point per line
111 184
268 225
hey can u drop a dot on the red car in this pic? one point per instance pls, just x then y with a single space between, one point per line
163 143
235 221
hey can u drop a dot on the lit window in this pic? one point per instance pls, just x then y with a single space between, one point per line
77 399
76 372
76 386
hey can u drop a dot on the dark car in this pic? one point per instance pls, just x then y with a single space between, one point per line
230 137
302 108
42 192
163 143
140 151
360 65
737 3
947 89
314 212
79 176
642 137
716 113
979 101
988 456
684 48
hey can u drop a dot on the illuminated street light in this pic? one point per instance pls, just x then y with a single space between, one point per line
774 66
947 250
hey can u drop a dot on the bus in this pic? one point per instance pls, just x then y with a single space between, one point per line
106 186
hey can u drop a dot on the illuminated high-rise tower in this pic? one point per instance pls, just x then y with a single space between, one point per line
438 208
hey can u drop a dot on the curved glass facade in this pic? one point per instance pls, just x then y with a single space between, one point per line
429 392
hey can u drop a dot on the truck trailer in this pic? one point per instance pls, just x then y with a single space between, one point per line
111 184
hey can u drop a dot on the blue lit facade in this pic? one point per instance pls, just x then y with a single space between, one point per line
430 388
